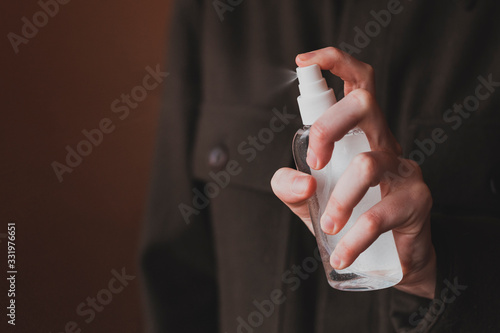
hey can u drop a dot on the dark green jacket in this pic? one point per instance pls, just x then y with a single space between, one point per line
222 254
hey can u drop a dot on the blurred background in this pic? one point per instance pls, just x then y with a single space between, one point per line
78 227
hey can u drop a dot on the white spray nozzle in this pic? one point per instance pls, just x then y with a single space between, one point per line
309 74
315 96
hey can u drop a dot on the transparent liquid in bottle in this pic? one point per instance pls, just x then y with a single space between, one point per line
377 267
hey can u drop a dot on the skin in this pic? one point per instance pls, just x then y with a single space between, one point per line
406 200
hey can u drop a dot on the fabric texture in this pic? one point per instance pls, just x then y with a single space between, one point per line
222 254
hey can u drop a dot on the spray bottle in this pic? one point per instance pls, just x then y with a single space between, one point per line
378 266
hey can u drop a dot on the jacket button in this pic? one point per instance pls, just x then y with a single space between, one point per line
218 157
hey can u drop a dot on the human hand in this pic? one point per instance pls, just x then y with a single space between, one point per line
406 200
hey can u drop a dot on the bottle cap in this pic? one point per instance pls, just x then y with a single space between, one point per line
315 96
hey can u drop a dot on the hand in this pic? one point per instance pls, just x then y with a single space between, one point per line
406 200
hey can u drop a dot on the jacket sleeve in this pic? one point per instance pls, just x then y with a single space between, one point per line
466 297
177 254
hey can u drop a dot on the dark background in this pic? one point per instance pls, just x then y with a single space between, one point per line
71 234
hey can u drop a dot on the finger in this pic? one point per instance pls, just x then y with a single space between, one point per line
367 229
294 188
365 170
357 109
356 74
398 210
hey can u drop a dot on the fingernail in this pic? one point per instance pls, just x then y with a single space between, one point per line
335 261
307 56
327 224
299 184
312 160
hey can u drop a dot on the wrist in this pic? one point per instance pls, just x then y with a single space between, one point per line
422 282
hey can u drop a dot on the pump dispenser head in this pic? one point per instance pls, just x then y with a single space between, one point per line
315 96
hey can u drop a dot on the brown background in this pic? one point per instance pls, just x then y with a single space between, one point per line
70 235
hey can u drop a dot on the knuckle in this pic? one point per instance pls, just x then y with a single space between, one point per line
371 222
363 98
414 165
366 166
370 72
319 132
333 52
422 194
330 49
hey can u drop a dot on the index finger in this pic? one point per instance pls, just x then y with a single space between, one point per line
355 74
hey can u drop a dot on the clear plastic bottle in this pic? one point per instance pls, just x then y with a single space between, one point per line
377 267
